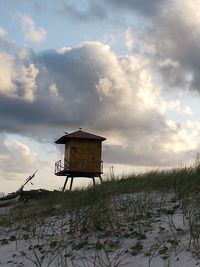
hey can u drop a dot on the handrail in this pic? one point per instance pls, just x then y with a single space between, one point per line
58 167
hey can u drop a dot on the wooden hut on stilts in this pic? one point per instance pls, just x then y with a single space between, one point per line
82 156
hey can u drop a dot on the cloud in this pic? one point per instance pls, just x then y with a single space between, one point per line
168 147
16 158
103 10
3 32
173 47
31 33
129 38
92 87
53 89
90 10
4 41
175 105
166 31
17 78
144 7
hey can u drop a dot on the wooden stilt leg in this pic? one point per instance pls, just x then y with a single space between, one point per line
72 178
100 178
65 183
93 181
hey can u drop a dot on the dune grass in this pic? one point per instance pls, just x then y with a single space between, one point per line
109 214
179 180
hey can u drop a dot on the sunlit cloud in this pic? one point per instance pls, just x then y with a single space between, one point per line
3 32
31 32
16 158
17 80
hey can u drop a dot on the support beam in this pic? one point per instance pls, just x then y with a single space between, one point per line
65 183
100 178
72 178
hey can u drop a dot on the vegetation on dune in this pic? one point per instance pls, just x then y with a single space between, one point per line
182 181
101 219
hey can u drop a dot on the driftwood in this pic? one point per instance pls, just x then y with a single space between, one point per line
13 198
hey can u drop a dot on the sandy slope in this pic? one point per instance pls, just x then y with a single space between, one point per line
162 240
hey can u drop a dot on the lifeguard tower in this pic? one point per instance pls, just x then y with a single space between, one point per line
82 156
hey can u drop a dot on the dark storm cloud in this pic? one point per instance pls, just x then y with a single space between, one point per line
19 116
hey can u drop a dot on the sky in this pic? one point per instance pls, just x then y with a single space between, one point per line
126 70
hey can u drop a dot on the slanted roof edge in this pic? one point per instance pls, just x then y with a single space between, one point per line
79 135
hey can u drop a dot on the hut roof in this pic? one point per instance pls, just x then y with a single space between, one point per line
78 135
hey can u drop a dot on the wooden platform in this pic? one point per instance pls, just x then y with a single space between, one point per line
78 174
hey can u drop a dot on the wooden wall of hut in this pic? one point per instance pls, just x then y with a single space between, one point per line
83 156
